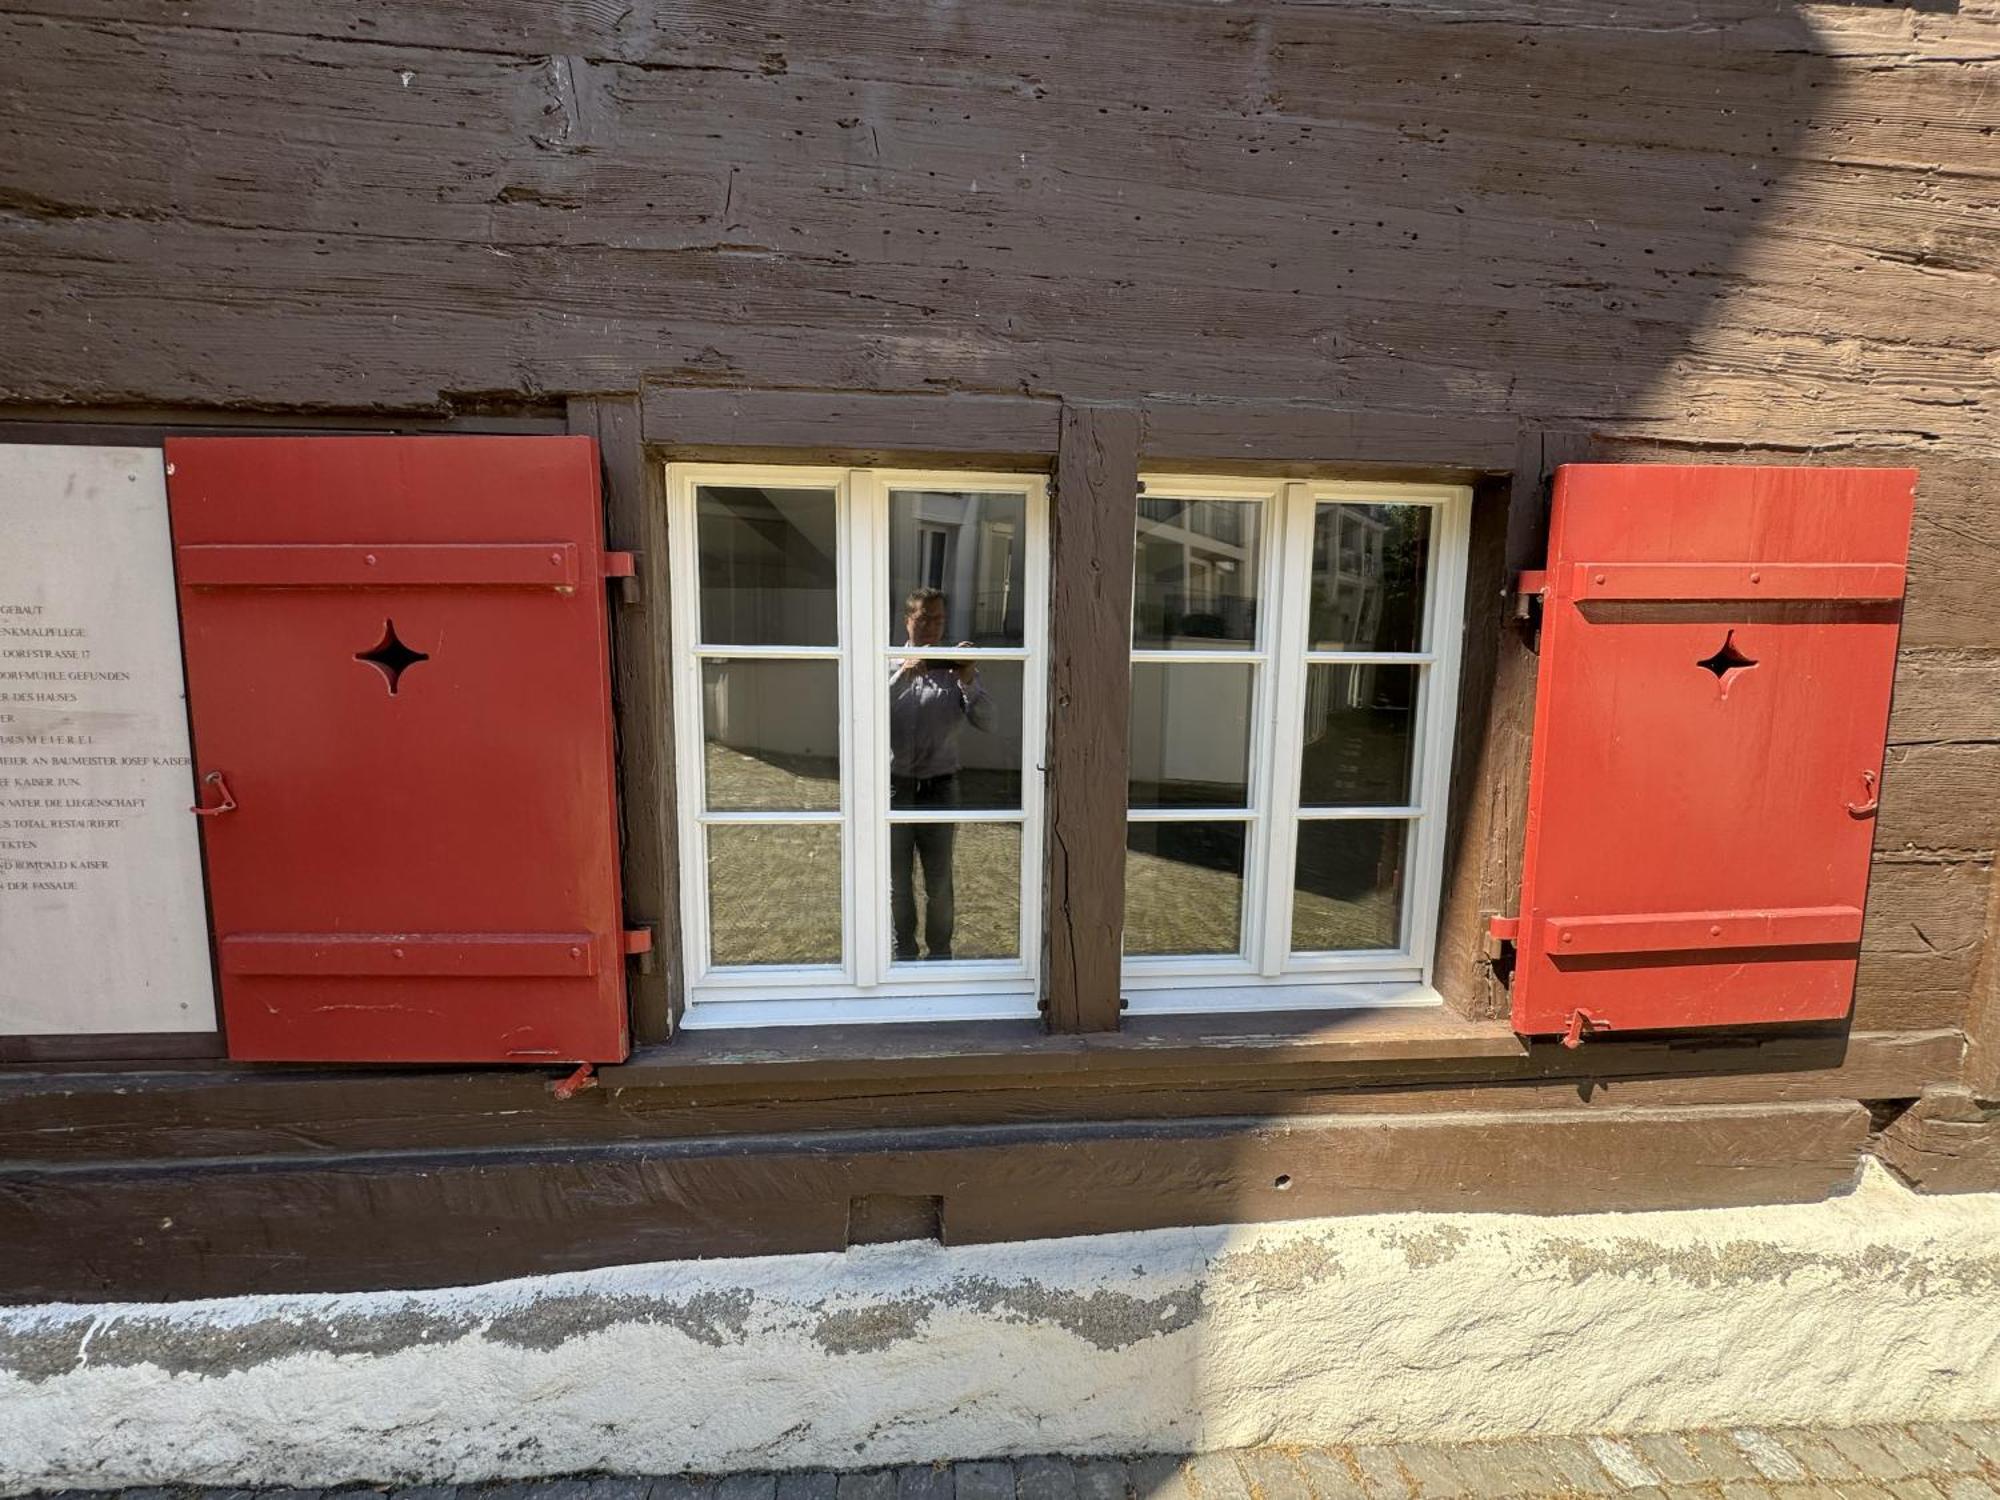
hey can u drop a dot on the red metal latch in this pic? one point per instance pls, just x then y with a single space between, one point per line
585 1077
1581 1026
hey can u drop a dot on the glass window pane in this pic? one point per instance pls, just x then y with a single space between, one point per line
771 735
954 891
1359 734
769 569
1190 734
774 893
1184 888
1368 564
1194 584
955 732
969 546
1350 884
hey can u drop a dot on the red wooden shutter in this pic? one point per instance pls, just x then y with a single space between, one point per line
1717 651
401 701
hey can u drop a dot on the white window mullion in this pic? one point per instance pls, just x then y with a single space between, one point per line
1034 724
1437 704
864 539
1291 608
684 584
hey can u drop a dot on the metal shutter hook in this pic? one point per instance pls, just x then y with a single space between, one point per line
228 803
1864 809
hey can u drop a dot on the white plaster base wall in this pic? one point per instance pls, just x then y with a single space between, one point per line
1879 1305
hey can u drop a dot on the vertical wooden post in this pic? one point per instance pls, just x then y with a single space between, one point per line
1496 719
642 687
1090 688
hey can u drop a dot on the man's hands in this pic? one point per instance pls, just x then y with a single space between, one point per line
967 672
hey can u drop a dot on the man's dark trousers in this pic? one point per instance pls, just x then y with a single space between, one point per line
931 843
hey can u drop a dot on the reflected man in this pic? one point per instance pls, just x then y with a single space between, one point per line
930 701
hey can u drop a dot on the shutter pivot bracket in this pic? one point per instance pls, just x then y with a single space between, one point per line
1531 587
622 569
1581 1026
637 942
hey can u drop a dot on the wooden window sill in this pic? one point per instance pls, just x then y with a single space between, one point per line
1150 1044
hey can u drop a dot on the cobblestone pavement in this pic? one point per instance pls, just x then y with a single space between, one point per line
1945 1461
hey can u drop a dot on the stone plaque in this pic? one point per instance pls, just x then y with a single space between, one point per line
103 926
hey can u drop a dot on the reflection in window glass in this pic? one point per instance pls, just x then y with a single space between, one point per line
771 735
774 893
1349 884
769 569
954 891
971 548
1368 565
1184 888
954 740
1195 575
1359 736
1190 734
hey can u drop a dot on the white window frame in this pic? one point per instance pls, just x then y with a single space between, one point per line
1264 975
866 986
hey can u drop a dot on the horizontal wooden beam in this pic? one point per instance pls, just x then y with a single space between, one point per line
1287 432
111 1047
354 1223
710 420
718 1085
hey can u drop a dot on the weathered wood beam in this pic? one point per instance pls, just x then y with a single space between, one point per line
711 1084
642 684
860 427
412 1221
1090 689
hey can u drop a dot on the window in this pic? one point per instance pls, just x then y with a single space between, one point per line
1294 675
861 834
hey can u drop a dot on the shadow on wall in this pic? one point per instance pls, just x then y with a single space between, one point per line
1567 201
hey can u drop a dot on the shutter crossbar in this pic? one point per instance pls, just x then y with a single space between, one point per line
389 565
1695 931
1860 582
401 955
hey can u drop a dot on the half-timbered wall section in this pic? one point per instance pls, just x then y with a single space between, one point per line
1440 247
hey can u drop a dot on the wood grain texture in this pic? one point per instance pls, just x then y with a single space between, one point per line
857 427
1921 943
1752 232
126 1233
1090 689
136 1046
1947 1142
1349 202
1496 722
1450 445
1982 1017
712 1087
642 687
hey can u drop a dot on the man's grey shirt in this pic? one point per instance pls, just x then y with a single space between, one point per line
926 711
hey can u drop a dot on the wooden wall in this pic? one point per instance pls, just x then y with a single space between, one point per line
1702 230
1753 229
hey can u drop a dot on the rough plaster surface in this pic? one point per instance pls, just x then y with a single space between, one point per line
1876 1306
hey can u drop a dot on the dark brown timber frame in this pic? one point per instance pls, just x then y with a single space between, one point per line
1096 451
737 1142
